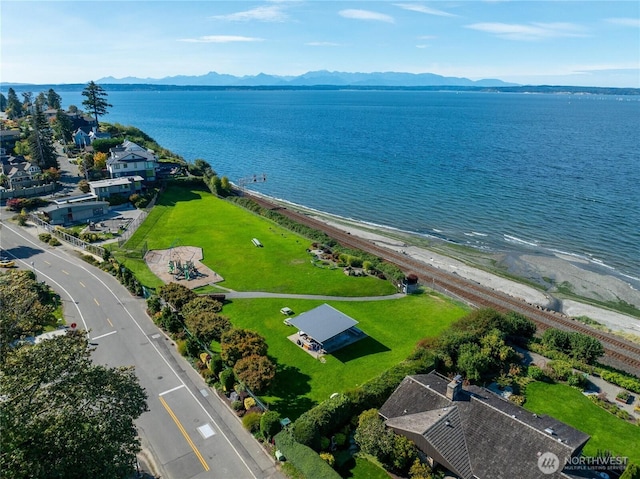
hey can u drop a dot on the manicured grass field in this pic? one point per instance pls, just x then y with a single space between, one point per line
189 217
224 231
569 405
393 328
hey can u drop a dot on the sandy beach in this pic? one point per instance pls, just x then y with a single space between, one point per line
523 271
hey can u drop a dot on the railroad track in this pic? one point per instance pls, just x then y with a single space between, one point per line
618 352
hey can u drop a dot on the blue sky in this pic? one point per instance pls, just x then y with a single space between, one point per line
589 43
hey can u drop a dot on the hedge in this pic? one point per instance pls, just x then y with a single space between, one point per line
331 414
304 458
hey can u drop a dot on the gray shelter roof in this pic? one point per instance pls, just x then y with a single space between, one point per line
323 323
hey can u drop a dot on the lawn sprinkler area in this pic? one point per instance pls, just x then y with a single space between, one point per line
181 264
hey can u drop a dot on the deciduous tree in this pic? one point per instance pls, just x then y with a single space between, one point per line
255 371
240 343
64 417
207 326
373 437
24 309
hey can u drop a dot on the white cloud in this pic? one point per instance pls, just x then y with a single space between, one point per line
415 7
221 39
366 15
625 22
530 32
322 44
267 13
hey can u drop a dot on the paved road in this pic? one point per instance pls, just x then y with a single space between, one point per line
188 432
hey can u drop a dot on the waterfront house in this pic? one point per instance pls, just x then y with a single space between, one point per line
124 186
475 433
130 159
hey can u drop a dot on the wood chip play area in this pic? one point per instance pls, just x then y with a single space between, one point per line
181 264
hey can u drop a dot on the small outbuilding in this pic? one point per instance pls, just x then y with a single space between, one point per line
325 328
64 214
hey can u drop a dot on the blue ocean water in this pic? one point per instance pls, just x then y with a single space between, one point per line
497 171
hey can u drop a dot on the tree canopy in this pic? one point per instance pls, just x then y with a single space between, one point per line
96 100
64 417
40 140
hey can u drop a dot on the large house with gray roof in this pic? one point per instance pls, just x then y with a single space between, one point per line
475 433
130 159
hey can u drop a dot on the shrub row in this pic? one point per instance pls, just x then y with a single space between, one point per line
304 458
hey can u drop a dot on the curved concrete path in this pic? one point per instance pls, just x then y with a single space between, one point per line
263 294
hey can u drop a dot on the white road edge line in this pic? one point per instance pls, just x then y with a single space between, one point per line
171 390
142 331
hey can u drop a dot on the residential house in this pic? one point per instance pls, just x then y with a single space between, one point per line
81 137
130 159
8 139
80 120
19 172
475 433
64 214
124 186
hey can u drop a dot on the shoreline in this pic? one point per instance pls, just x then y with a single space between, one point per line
520 270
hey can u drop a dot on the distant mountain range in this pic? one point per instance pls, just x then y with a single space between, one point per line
315 78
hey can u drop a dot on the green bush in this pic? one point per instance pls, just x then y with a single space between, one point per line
304 458
630 383
340 439
54 241
44 237
536 373
326 417
236 405
227 378
251 422
270 424
216 364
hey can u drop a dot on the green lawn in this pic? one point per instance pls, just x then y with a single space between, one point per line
569 405
191 217
393 328
188 217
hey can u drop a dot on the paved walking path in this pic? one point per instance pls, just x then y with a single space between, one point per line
230 294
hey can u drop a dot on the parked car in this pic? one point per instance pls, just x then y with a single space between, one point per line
7 263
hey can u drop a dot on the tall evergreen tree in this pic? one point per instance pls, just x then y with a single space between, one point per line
62 126
41 99
14 105
43 153
27 101
3 102
53 99
96 101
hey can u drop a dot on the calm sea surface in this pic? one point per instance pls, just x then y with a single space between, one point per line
502 172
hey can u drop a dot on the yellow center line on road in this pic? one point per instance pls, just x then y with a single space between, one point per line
96 301
82 284
64 272
47 262
184 433
110 323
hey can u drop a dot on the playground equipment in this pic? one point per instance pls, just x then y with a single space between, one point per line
186 270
